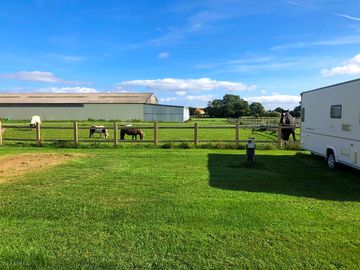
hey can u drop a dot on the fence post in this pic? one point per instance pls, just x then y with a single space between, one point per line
76 133
0 135
196 141
237 134
279 131
38 134
155 133
115 134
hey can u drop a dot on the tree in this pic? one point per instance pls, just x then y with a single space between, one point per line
296 112
215 108
242 108
271 114
278 109
229 106
256 108
234 106
192 111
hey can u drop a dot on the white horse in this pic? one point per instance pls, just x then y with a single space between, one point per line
98 129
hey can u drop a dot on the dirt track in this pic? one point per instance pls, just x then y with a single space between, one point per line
15 165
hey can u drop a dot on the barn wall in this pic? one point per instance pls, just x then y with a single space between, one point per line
73 111
115 111
164 113
144 112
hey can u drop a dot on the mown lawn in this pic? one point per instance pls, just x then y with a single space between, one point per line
180 209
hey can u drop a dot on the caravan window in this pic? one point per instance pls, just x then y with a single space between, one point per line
335 111
302 114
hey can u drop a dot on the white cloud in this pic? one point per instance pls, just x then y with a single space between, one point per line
167 99
202 84
351 67
69 59
204 98
180 93
344 40
206 18
299 4
273 101
35 76
263 91
347 17
122 91
83 90
164 55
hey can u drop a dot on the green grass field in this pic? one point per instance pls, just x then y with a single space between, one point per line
163 134
180 209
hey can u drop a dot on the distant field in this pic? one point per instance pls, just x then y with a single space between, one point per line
164 134
178 209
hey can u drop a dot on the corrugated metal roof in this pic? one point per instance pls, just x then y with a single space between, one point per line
100 98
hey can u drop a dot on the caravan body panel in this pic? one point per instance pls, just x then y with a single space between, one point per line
331 122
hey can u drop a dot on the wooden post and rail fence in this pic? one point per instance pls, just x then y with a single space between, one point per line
116 140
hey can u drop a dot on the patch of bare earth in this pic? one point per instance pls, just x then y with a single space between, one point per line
13 166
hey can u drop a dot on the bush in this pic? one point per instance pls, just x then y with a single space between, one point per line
184 146
136 120
167 145
64 144
292 146
267 146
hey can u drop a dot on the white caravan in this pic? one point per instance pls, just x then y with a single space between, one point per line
330 123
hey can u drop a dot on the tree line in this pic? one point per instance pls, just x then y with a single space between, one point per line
233 106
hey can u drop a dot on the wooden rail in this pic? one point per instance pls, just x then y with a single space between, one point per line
39 139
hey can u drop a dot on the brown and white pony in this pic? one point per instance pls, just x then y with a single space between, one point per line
98 129
132 132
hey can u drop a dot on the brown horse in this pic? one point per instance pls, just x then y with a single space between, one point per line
133 132
288 124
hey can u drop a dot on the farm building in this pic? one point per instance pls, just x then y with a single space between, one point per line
107 106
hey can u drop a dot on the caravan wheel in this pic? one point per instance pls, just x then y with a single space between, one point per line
331 160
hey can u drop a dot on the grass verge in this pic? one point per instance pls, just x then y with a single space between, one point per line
180 209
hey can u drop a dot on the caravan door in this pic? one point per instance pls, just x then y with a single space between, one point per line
350 131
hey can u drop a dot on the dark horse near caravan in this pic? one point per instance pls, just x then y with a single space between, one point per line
133 132
288 125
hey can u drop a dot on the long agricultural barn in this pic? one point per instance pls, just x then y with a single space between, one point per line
107 106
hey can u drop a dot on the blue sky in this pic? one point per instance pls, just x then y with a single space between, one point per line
186 52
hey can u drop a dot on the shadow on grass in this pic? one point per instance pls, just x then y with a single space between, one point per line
299 175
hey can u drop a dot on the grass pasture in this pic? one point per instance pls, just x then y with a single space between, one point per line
163 134
180 209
